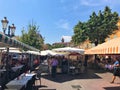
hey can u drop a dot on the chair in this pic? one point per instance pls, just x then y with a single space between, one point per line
1 66
43 68
38 75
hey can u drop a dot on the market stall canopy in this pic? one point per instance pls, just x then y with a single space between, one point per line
47 52
69 50
33 52
11 42
109 47
11 50
50 53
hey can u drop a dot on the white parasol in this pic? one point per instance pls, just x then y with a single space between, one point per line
69 50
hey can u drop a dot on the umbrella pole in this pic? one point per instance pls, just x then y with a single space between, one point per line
7 64
0 56
68 64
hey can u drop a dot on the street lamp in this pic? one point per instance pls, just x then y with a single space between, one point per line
11 29
4 24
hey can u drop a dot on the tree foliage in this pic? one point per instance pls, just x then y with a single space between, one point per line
79 33
97 28
58 45
32 37
47 46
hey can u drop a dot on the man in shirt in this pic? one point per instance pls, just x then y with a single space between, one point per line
54 64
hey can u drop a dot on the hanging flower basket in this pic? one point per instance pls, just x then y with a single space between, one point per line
21 45
0 37
6 39
14 42
10 42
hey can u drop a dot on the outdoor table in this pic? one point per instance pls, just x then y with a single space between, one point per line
72 70
17 67
1 71
29 74
20 82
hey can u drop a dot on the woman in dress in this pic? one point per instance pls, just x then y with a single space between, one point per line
116 70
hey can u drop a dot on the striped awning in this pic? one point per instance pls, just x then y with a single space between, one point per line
11 42
109 47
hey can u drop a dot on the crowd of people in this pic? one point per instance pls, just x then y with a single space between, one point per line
116 69
63 63
110 63
55 62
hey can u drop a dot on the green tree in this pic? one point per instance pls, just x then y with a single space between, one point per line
47 46
97 28
32 37
102 25
58 45
79 33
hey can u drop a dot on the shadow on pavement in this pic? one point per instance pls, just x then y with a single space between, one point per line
112 88
37 87
68 77
102 71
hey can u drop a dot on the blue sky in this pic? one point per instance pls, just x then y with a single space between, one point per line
55 18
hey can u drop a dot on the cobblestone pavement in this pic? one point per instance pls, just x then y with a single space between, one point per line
84 81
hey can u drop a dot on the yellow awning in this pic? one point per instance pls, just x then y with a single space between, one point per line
109 47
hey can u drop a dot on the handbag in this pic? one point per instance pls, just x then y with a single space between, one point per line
117 70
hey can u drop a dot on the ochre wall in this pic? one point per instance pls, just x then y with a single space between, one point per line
116 33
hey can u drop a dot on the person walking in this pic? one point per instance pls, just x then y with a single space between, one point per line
54 64
64 65
116 69
85 63
49 64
